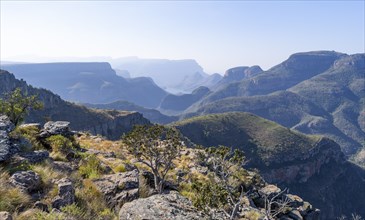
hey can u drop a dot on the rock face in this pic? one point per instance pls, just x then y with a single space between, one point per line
119 188
34 156
120 123
301 169
5 124
27 181
240 73
161 206
5 216
6 147
66 194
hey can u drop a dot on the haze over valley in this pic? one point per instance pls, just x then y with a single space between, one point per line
182 110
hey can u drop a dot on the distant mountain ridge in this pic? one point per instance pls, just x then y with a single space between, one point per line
151 114
109 123
175 76
321 92
89 83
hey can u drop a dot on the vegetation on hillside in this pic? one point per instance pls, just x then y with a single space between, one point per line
17 104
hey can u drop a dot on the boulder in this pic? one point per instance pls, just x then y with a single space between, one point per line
55 128
295 215
6 124
119 188
34 156
66 167
41 206
161 206
269 190
295 201
35 125
27 181
66 194
5 216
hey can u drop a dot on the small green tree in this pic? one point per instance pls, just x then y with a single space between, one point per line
17 104
155 146
227 165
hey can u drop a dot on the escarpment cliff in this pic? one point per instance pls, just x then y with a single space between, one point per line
109 123
291 170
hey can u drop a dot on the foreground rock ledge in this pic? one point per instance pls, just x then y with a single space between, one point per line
161 206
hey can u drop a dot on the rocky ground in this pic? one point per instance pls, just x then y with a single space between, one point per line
51 172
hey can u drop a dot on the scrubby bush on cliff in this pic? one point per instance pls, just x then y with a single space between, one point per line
16 105
225 185
156 147
61 146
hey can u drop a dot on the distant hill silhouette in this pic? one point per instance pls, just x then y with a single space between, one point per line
89 83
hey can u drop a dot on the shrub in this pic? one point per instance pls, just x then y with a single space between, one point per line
74 211
119 168
60 144
91 201
90 167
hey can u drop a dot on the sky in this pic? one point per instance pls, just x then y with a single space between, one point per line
217 34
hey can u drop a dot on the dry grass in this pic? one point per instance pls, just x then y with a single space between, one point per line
11 198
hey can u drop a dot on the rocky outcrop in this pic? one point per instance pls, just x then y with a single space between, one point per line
33 157
161 206
7 148
240 73
5 216
119 188
113 128
66 194
56 128
27 181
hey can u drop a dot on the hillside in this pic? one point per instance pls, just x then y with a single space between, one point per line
111 124
178 103
151 114
88 177
288 109
88 83
326 99
311 166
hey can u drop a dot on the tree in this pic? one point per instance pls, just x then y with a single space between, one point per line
17 104
155 146
227 164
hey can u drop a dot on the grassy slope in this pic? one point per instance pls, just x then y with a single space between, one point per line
262 140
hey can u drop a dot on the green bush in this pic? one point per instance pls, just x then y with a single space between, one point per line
30 133
59 143
90 167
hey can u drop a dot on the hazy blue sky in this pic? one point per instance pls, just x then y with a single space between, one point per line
218 34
